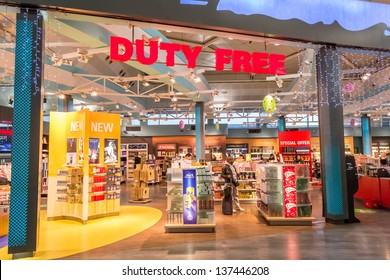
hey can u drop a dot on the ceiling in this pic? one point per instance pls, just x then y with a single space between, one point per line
78 65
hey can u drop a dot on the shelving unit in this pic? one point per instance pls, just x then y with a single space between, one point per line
4 208
123 162
236 150
128 154
282 194
190 200
261 152
68 193
166 151
45 166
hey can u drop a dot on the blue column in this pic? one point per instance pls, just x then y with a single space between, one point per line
366 134
281 123
26 141
331 127
199 131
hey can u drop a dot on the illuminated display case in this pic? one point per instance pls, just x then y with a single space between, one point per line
190 200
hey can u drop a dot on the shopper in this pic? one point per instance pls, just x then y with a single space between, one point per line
229 173
187 161
298 160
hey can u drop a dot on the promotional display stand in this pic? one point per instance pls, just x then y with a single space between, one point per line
282 192
296 145
190 199
139 192
84 180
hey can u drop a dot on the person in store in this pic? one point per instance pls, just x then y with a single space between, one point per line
229 173
186 161
272 158
298 159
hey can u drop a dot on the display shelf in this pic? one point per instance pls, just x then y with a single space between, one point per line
129 154
190 200
282 194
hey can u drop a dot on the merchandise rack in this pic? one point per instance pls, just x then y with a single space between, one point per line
283 202
177 214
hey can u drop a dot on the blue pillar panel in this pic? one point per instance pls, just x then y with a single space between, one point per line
366 135
27 131
331 128
282 124
199 131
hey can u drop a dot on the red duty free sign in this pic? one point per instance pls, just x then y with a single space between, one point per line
122 49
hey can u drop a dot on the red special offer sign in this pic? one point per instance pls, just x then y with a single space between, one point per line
122 49
289 191
294 138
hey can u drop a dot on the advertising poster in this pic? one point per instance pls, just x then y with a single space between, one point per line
5 143
189 196
110 150
289 192
71 149
81 150
94 149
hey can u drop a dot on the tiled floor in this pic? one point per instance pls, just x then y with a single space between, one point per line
245 235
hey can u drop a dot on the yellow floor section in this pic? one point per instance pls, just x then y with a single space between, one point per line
63 238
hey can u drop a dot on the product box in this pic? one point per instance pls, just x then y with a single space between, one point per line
145 192
143 176
136 175
75 171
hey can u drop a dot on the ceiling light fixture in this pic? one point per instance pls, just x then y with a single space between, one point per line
156 99
172 79
61 96
279 82
195 78
145 83
83 95
117 106
93 93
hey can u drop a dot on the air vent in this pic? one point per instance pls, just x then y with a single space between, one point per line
254 130
133 128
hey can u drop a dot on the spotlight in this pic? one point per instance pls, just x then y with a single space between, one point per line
61 96
67 62
173 97
117 106
83 95
172 79
82 56
195 78
156 99
279 82
94 93
145 83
